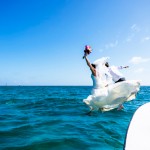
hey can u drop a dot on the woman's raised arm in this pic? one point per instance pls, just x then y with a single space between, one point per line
90 66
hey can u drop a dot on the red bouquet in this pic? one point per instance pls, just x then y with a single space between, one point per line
87 50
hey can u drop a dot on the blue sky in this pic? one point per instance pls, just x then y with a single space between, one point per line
42 41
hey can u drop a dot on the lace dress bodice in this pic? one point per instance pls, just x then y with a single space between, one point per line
97 82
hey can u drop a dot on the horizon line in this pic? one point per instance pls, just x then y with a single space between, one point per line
53 85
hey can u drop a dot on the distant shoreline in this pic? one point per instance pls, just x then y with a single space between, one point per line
53 85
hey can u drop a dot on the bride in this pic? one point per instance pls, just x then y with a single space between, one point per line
99 83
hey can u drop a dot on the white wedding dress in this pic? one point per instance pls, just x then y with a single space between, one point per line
109 97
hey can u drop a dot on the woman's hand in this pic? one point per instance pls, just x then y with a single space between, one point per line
85 54
106 85
126 67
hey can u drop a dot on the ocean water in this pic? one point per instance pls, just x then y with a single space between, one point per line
55 118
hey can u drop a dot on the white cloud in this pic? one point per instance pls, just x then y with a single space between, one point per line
138 60
129 38
111 45
135 28
145 39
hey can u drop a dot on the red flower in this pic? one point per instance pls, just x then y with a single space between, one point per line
88 49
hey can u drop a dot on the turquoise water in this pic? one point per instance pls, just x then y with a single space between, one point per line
54 118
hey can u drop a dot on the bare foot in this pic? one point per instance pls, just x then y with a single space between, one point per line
89 113
120 107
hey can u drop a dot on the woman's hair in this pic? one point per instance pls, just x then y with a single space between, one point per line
107 64
93 65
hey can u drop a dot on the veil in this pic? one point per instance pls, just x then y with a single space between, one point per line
103 70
